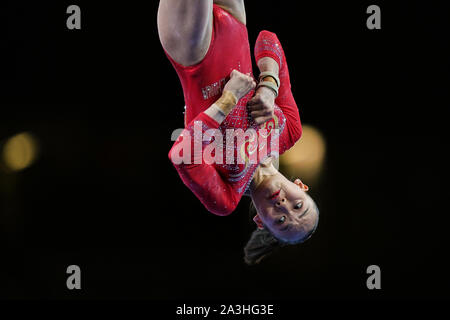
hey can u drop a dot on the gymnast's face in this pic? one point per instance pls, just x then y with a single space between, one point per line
285 208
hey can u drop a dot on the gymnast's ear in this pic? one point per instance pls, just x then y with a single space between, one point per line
258 221
303 186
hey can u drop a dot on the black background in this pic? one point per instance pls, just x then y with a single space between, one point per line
104 100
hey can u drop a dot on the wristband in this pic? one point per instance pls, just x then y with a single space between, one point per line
226 102
270 85
266 74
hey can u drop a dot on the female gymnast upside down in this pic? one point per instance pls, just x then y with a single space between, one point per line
207 43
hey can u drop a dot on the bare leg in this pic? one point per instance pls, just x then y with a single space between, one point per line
235 7
185 29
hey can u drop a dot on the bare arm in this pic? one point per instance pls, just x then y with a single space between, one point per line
185 29
262 105
237 87
268 64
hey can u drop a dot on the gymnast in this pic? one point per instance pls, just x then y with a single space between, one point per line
207 43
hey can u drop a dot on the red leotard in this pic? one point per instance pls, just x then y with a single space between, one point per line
220 186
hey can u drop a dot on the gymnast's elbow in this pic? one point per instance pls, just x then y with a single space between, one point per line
220 211
296 132
175 156
222 207
170 155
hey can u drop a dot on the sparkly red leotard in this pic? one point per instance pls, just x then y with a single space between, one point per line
220 186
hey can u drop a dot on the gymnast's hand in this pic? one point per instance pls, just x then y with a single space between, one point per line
239 84
262 105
